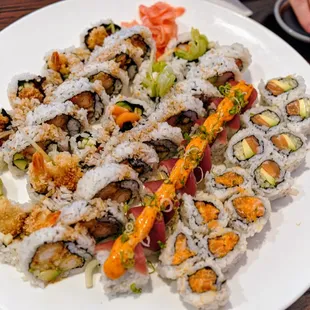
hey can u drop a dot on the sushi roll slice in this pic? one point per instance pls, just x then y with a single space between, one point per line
225 247
139 156
292 147
270 177
203 213
50 254
217 70
18 150
179 254
204 286
248 213
223 182
128 112
297 114
102 220
66 116
110 77
111 181
133 281
247 147
237 52
181 111
63 64
138 36
95 35
281 90
83 94
262 118
26 86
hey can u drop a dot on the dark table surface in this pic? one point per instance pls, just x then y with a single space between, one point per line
11 10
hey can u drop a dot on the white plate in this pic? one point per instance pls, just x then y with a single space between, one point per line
276 269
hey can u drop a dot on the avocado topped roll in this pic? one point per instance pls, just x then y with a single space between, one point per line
203 213
270 177
26 86
19 149
95 35
246 147
66 116
180 253
204 286
248 213
262 118
223 182
138 36
281 90
225 246
51 254
83 94
297 114
289 145
112 181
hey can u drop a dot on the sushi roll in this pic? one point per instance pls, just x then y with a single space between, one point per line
225 247
133 281
50 254
66 116
19 149
203 213
139 156
181 111
292 147
247 147
248 213
204 286
297 115
270 178
138 36
95 35
223 182
179 254
83 94
111 79
63 64
215 69
5 126
128 112
102 221
237 52
26 86
111 181
281 90
262 118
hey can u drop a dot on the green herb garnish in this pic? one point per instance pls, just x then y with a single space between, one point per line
161 244
135 289
124 237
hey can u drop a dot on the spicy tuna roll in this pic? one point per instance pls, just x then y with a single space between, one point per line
246 147
281 90
248 213
291 146
204 286
270 177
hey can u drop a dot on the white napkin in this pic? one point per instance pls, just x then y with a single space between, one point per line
234 5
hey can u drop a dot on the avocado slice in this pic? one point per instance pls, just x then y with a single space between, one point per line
302 108
248 152
125 105
271 180
290 142
138 111
21 164
49 275
18 156
270 121
285 84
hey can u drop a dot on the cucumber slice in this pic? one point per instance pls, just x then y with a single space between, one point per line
49 275
271 180
290 143
21 164
248 152
125 105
